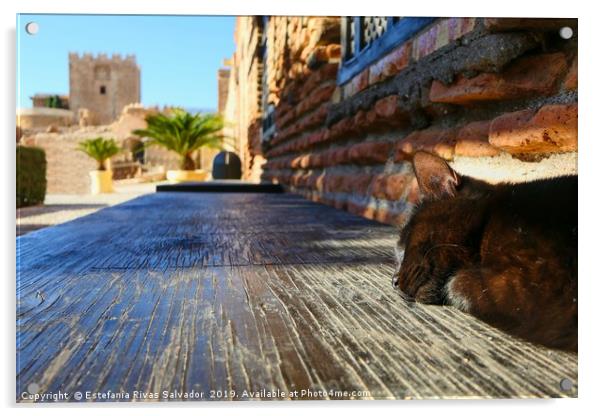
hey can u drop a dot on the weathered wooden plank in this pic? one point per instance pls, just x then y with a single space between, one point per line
238 293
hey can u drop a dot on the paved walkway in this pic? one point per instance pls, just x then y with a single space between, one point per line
58 209
229 296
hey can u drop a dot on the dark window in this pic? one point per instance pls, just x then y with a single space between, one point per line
103 90
366 39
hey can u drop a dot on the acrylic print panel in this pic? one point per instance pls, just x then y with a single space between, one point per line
208 208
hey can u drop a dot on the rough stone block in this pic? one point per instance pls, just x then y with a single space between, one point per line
390 187
356 84
391 64
473 140
552 128
533 75
434 140
369 153
441 34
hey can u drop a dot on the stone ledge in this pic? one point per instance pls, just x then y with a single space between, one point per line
552 128
532 75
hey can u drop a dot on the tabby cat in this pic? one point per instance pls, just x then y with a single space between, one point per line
505 253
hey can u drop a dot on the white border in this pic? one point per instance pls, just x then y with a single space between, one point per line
590 161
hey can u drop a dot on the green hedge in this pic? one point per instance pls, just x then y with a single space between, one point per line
31 176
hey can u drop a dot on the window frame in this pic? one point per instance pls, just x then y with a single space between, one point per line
397 32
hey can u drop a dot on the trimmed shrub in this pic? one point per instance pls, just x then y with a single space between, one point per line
31 176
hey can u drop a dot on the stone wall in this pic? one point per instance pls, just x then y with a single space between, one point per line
255 85
67 167
495 97
245 89
42 117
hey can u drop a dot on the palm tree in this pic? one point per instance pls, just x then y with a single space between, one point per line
183 133
100 149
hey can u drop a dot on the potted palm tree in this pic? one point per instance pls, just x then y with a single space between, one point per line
183 133
101 150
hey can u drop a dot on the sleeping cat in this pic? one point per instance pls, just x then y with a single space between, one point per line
504 253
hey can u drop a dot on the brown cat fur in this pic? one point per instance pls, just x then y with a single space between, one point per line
505 253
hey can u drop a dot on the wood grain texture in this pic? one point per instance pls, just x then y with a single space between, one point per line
243 292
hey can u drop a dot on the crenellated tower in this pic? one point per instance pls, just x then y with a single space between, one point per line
103 84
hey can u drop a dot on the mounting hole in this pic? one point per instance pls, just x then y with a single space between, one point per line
32 28
566 384
566 32
33 388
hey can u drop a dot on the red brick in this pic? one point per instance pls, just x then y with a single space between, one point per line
324 73
338 129
322 54
389 217
356 84
315 98
390 65
387 107
319 183
318 117
414 195
390 187
332 183
359 122
434 140
360 209
473 140
304 161
315 160
533 75
313 180
357 184
369 152
296 162
552 128
440 34
339 156
333 51
383 115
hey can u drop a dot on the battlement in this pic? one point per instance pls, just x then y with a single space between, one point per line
103 58
103 84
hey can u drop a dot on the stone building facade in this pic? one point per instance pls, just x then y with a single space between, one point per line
346 102
103 86
67 167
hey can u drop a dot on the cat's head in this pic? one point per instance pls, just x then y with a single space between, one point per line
439 236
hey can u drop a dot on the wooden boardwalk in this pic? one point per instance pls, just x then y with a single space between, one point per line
189 293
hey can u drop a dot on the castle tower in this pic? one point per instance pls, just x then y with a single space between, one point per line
103 85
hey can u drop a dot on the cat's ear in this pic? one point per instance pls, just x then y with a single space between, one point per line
435 178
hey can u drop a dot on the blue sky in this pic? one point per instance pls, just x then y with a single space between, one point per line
178 55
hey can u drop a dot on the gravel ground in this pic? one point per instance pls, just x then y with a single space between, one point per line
58 209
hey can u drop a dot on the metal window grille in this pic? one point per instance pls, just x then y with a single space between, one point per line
366 39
